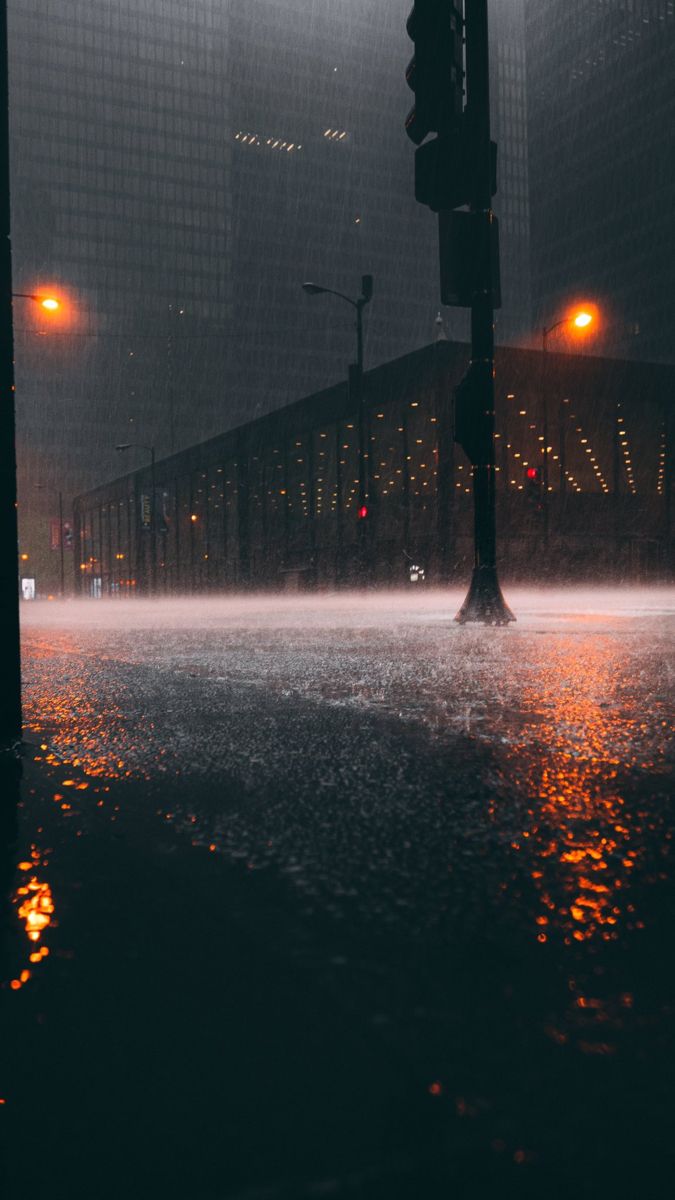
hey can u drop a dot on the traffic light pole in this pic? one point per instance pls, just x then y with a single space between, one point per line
484 602
10 687
153 524
357 403
544 417
362 412
62 562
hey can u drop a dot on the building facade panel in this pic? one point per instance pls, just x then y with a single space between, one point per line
583 475
601 117
178 170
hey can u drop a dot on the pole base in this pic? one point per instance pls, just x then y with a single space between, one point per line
484 602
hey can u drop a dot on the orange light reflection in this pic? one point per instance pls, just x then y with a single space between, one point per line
580 838
87 736
34 904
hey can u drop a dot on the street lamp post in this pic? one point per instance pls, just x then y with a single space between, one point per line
153 521
10 691
580 320
63 586
355 385
49 303
10 687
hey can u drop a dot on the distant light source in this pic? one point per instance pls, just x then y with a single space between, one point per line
24 558
583 319
50 303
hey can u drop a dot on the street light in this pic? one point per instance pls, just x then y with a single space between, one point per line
355 386
581 319
153 524
50 303
40 487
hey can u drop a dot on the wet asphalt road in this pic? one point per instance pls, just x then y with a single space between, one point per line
342 899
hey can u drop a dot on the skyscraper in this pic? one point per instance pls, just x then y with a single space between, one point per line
323 183
178 172
601 118
121 202
509 130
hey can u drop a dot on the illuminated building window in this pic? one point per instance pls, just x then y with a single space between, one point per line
271 143
622 435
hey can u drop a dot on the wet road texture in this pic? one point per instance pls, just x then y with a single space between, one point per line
328 896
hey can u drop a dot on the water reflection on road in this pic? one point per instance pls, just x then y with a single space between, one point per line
576 747
87 727
411 781
563 707
34 904
583 749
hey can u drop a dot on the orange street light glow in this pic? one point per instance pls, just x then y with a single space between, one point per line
583 319
50 303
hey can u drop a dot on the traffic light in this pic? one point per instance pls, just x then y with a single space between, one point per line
473 419
436 71
469 257
362 512
533 486
446 169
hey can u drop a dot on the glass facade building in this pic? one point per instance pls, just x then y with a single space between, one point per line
178 171
512 202
323 185
601 114
274 502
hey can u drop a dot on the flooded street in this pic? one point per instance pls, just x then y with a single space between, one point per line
322 876
329 895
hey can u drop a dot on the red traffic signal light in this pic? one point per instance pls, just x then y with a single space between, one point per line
533 487
362 512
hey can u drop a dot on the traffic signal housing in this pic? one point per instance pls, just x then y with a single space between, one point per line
468 257
533 486
446 168
435 73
